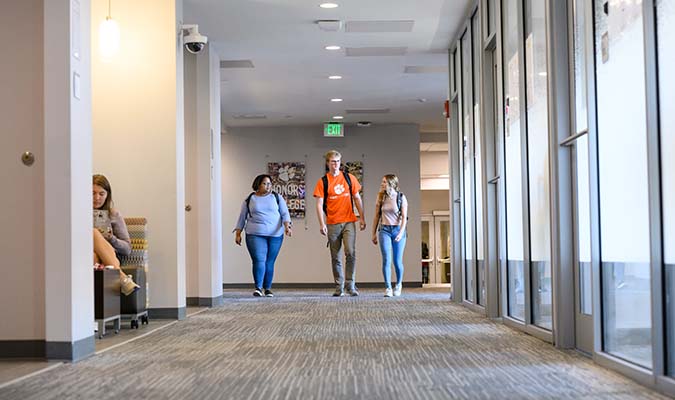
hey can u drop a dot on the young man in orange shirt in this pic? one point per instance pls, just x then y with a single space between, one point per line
335 209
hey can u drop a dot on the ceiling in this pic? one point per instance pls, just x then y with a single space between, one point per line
288 84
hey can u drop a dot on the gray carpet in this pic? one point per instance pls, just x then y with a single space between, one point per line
308 345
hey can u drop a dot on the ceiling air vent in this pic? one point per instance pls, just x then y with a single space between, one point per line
368 111
425 69
329 25
236 64
379 26
375 51
249 116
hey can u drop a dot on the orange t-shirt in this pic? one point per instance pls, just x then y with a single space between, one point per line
339 202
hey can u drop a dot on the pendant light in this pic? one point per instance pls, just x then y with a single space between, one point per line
109 37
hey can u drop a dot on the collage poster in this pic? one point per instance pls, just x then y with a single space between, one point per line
288 179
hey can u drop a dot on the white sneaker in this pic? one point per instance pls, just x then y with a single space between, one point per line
388 292
397 289
128 286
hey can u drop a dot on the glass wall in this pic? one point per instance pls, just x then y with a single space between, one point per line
665 14
538 161
513 161
623 180
467 157
480 257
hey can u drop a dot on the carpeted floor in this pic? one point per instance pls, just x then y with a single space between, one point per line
308 345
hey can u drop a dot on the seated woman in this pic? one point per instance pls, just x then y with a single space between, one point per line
111 237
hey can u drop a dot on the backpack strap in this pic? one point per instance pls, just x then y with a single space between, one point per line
349 183
248 201
324 180
399 203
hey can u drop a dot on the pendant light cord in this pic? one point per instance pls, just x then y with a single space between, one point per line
109 17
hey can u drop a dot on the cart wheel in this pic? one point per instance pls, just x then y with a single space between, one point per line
117 331
134 324
144 320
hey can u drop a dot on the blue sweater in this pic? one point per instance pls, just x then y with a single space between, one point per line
266 218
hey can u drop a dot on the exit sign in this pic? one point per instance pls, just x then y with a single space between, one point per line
333 129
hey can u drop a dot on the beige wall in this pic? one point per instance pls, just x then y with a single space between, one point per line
138 132
434 200
304 258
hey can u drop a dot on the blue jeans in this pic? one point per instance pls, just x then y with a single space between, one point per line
389 247
264 251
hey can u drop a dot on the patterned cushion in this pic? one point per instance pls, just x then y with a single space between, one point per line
137 227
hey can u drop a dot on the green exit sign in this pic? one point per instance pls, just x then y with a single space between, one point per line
333 129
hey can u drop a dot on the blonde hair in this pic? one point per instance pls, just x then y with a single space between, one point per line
332 153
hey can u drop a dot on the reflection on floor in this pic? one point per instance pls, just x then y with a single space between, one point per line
306 344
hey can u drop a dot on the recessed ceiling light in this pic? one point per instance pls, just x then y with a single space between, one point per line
335 77
336 100
338 117
328 5
543 74
332 47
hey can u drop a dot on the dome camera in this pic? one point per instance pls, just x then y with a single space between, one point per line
194 42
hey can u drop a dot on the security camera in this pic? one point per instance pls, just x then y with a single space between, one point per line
193 41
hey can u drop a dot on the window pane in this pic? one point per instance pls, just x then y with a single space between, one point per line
475 28
467 164
584 225
537 155
512 167
622 166
580 63
665 13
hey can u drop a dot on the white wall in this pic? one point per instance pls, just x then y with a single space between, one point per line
138 131
203 190
304 258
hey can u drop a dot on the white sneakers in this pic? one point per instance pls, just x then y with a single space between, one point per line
388 292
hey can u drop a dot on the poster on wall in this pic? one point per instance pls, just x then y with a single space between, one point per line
288 179
356 168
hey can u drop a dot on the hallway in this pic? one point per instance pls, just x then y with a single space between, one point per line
304 344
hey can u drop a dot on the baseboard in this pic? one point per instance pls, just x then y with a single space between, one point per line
22 349
321 285
68 351
178 313
204 301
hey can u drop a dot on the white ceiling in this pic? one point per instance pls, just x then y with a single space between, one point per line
289 84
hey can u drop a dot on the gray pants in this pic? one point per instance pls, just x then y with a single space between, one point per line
337 235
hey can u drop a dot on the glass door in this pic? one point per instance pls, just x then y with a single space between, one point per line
427 247
436 261
443 272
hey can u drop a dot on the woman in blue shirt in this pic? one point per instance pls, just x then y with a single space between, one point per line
264 215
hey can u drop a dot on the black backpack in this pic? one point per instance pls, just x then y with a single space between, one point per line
324 179
248 201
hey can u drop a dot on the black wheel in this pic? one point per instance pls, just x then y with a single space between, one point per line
134 324
145 320
117 331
